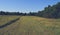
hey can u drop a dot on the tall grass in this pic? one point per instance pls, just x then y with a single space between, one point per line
4 19
31 25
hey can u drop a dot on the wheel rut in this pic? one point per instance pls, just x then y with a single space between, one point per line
9 23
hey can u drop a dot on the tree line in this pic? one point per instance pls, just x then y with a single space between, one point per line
51 11
18 13
48 12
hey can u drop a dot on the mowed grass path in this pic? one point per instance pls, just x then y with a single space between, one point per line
31 25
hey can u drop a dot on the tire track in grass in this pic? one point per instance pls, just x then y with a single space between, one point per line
12 29
9 23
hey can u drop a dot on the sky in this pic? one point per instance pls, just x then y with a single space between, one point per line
25 5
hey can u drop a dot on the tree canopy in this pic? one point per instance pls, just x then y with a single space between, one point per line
51 11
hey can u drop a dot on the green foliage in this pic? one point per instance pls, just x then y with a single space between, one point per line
51 11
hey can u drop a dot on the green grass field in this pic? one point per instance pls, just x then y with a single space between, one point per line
30 25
